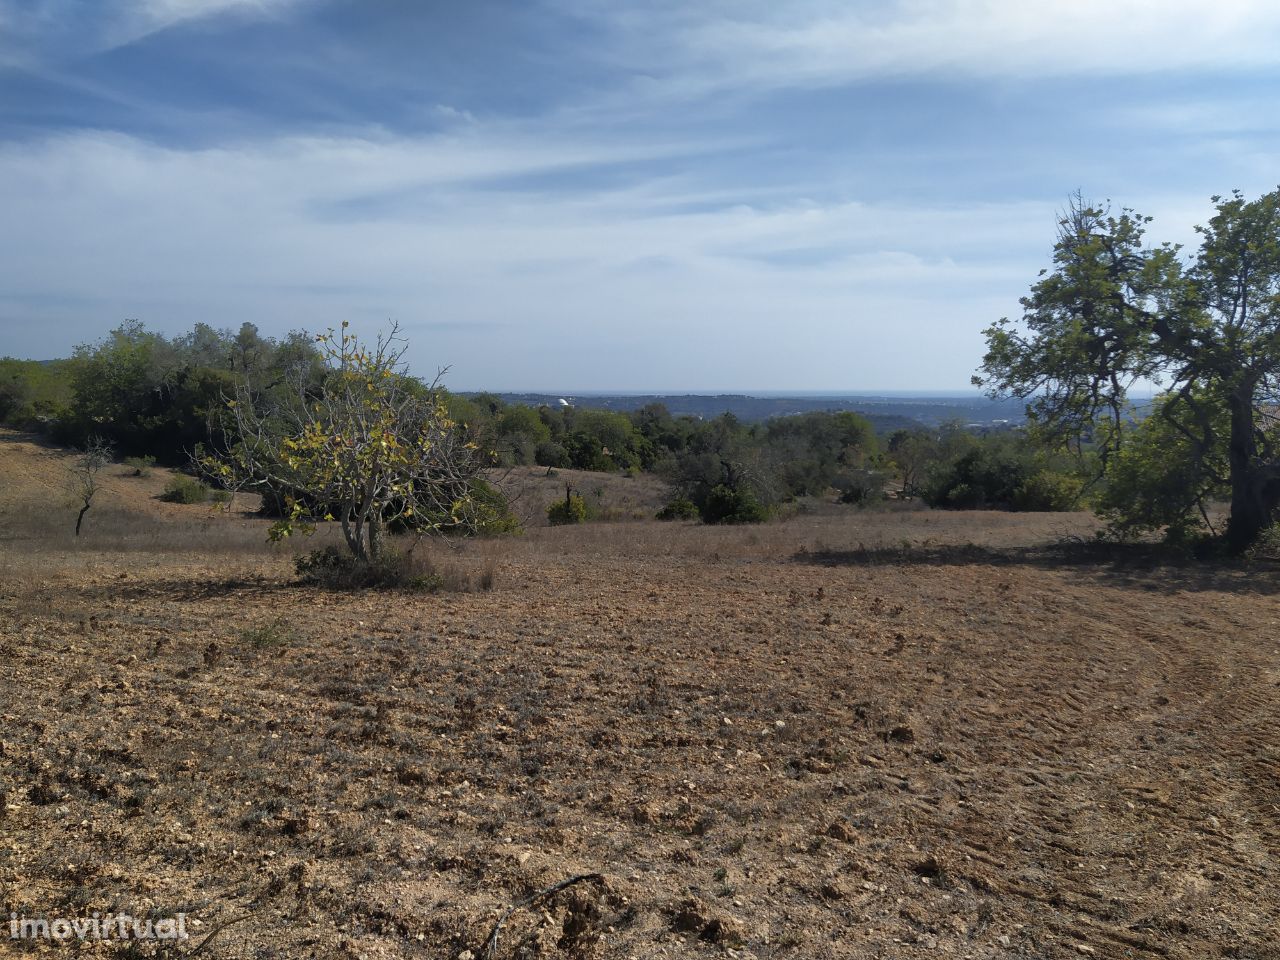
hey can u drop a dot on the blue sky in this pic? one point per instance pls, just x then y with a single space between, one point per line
595 195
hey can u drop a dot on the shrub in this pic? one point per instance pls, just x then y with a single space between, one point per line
15 399
723 504
184 489
1267 546
551 454
339 569
273 633
141 466
572 509
1161 480
493 514
1048 491
681 508
994 479
860 487
487 512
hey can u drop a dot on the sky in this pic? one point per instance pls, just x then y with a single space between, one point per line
594 195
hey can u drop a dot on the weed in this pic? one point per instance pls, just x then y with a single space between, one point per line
273 633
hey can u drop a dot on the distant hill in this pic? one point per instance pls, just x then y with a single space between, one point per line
887 413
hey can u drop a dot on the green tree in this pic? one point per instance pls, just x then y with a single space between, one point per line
913 452
518 431
1164 478
371 448
1114 313
120 382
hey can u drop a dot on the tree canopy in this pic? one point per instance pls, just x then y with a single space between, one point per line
1114 313
368 446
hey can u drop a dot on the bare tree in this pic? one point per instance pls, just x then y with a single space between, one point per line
83 479
369 448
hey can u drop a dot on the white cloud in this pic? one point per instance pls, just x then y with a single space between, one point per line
140 19
676 282
113 228
43 31
745 44
682 279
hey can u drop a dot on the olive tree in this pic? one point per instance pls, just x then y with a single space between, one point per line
370 447
1114 313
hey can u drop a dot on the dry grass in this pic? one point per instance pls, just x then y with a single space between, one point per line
611 497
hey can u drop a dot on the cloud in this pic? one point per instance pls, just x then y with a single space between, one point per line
749 44
115 227
631 205
447 112
656 280
43 31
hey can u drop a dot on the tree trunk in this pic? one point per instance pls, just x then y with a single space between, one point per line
1252 501
354 537
375 538
80 518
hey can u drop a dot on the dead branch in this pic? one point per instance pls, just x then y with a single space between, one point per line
214 932
490 949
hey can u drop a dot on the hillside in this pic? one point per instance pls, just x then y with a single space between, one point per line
900 412
891 733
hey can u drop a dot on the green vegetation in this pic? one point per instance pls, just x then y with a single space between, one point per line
1114 313
368 446
141 466
491 513
572 509
336 568
727 504
32 393
339 569
1160 479
277 632
146 395
184 489
165 400
679 508
1001 476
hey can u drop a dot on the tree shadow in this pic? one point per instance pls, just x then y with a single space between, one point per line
203 588
1138 566
12 435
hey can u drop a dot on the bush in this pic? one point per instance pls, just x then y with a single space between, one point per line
860 487
572 509
493 514
995 479
184 489
337 569
723 504
273 633
1048 491
1161 480
551 454
488 513
1267 546
681 508
141 466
